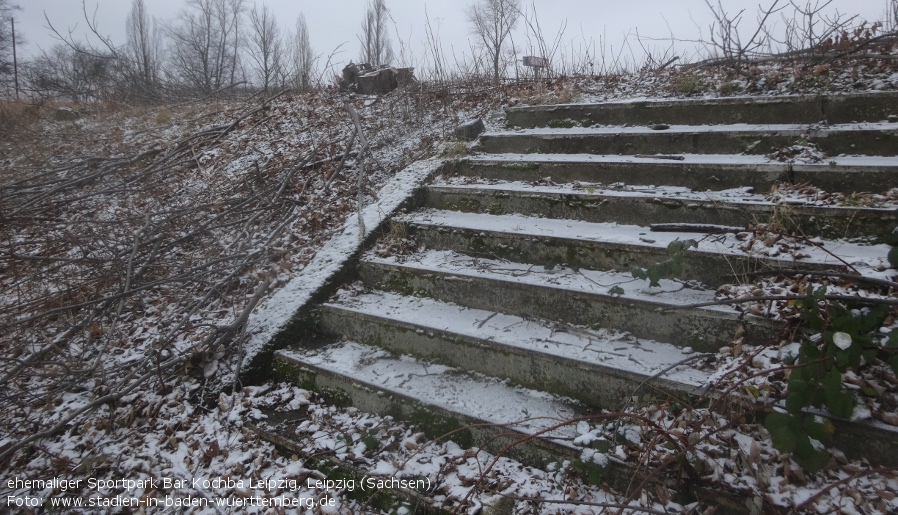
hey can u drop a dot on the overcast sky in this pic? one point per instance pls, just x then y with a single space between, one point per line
334 22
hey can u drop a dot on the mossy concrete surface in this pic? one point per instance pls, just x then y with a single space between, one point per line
694 140
713 269
435 422
697 176
872 107
597 385
847 222
701 329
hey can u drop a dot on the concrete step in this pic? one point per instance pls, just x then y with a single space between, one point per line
645 205
612 301
468 408
875 139
695 171
602 369
870 107
715 260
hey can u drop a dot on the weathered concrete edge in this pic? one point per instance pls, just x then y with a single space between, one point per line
280 318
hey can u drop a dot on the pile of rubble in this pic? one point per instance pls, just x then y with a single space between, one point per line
369 80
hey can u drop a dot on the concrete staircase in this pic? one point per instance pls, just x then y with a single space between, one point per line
506 300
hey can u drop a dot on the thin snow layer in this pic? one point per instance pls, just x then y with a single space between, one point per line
670 293
748 160
779 128
775 97
272 315
598 190
610 349
473 395
868 256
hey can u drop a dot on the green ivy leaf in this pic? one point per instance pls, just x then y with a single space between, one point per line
616 291
639 273
832 384
797 399
893 257
893 339
841 404
783 431
655 274
811 459
808 352
820 431
679 247
370 442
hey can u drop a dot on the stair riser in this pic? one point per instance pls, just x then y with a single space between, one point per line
594 385
703 330
869 142
709 268
827 223
435 422
699 177
838 109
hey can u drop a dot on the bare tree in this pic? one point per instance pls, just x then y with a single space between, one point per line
266 46
72 72
6 40
303 55
376 46
492 21
142 48
205 43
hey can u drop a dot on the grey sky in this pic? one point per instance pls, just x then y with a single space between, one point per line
337 21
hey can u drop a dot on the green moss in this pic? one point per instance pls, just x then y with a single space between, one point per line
468 205
308 380
562 124
520 166
496 208
335 396
399 283
435 425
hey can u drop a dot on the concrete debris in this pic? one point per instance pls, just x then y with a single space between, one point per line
369 80
470 130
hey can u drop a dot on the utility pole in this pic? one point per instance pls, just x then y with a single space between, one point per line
15 62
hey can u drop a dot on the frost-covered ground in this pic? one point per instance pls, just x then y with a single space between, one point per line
134 242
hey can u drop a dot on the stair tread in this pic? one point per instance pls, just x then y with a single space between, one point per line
701 101
752 160
465 393
670 293
779 128
868 257
607 349
738 197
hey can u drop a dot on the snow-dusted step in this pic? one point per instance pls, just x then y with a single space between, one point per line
599 300
698 172
871 107
645 205
714 260
879 139
468 408
597 367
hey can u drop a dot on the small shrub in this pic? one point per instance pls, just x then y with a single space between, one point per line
729 88
454 150
689 85
163 116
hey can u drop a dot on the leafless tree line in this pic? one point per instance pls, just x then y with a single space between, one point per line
217 46
210 46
